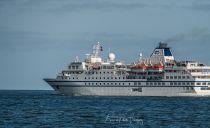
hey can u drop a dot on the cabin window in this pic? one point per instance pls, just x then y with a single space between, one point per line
183 77
167 77
151 83
179 77
159 83
171 77
192 83
203 83
198 83
204 88
163 83
171 83
136 89
175 77
208 83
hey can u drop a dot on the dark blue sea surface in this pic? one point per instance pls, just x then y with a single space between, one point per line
30 109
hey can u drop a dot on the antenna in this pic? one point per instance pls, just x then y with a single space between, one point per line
97 49
77 59
140 56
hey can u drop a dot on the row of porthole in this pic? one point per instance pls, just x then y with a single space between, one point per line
177 77
105 78
106 83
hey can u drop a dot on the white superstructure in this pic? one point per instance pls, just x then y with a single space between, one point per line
158 75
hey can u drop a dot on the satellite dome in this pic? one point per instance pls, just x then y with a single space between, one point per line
111 56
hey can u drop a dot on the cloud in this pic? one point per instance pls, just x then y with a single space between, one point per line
70 5
201 5
104 5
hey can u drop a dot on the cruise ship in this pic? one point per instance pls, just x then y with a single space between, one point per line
157 75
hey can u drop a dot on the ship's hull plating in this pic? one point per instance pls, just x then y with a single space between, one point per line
73 89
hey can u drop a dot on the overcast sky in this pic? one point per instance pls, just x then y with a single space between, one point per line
39 38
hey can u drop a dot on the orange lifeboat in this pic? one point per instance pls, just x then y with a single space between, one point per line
159 66
142 66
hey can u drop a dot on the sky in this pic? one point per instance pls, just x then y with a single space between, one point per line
39 38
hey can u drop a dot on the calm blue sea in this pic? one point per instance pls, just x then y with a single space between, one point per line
47 109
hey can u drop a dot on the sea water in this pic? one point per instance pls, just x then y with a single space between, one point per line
46 109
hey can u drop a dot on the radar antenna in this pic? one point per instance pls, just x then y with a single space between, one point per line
97 49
